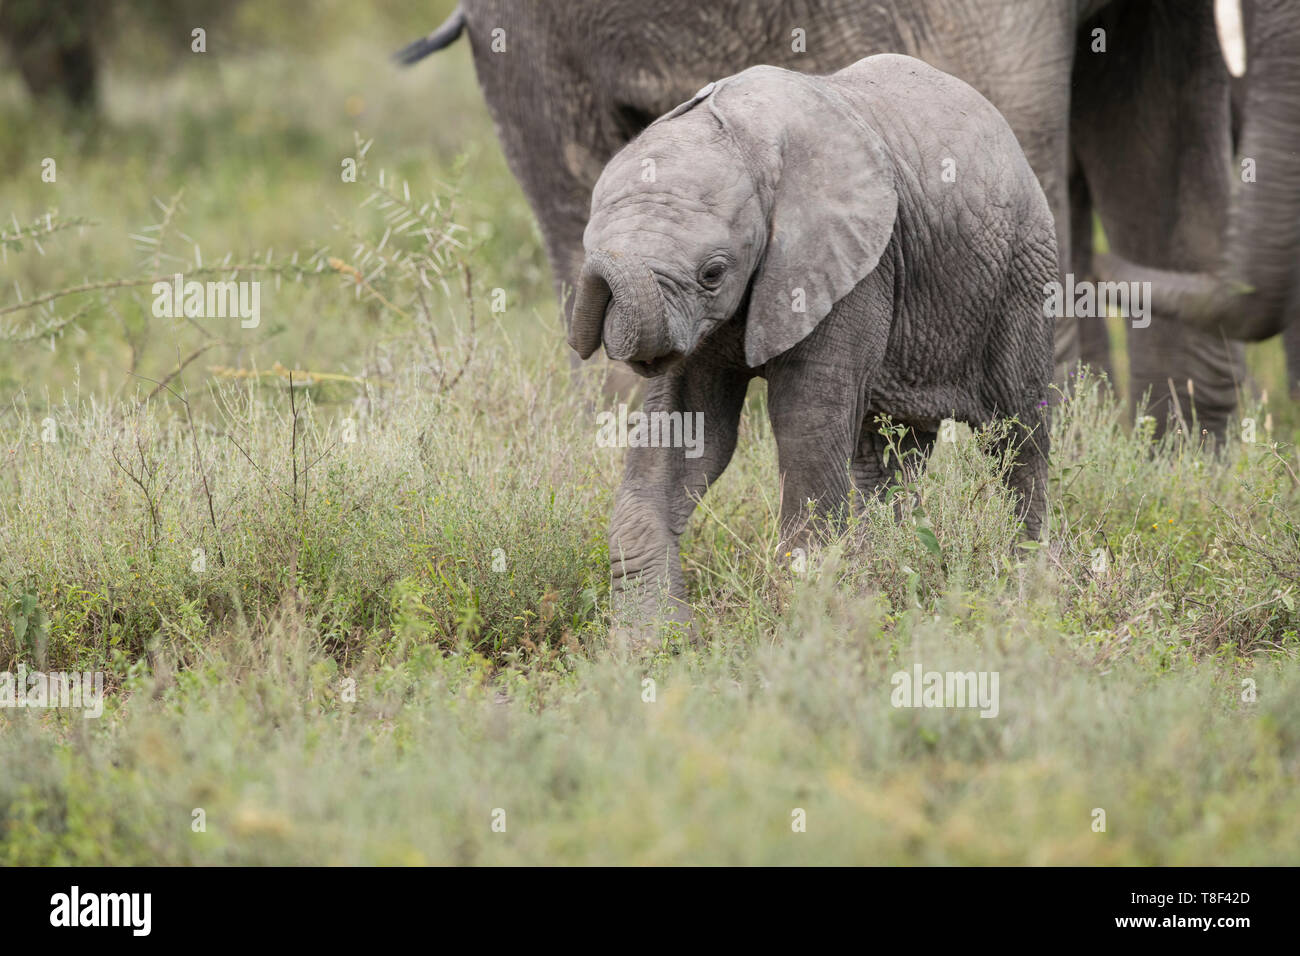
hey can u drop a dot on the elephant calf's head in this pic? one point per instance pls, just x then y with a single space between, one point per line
769 185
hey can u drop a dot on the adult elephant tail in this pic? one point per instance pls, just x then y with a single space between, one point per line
444 36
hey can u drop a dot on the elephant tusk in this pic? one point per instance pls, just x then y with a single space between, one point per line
1232 37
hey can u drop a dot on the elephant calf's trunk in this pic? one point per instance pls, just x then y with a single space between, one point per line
619 300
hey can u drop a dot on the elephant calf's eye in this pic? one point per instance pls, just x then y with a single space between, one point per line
712 273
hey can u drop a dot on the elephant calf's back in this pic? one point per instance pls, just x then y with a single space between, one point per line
970 339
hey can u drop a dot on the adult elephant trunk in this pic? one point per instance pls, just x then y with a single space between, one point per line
619 300
1247 297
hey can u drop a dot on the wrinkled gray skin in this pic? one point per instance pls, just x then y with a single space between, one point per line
921 299
1147 119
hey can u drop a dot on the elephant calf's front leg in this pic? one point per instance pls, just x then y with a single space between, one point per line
646 582
694 410
816 401
815 449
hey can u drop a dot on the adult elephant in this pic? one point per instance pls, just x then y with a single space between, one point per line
568 84
1271 92
1252 291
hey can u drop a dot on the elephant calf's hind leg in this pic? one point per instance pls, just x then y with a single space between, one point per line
1027 475
872 476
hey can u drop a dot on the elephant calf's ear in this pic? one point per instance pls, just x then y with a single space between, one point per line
832 215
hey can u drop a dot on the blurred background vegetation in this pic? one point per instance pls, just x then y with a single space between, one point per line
250 136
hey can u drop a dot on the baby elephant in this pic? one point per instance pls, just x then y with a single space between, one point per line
871 242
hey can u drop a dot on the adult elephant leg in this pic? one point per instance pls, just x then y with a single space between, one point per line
1150 126
661 486
555 136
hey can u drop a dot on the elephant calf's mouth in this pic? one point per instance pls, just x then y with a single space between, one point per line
657 366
